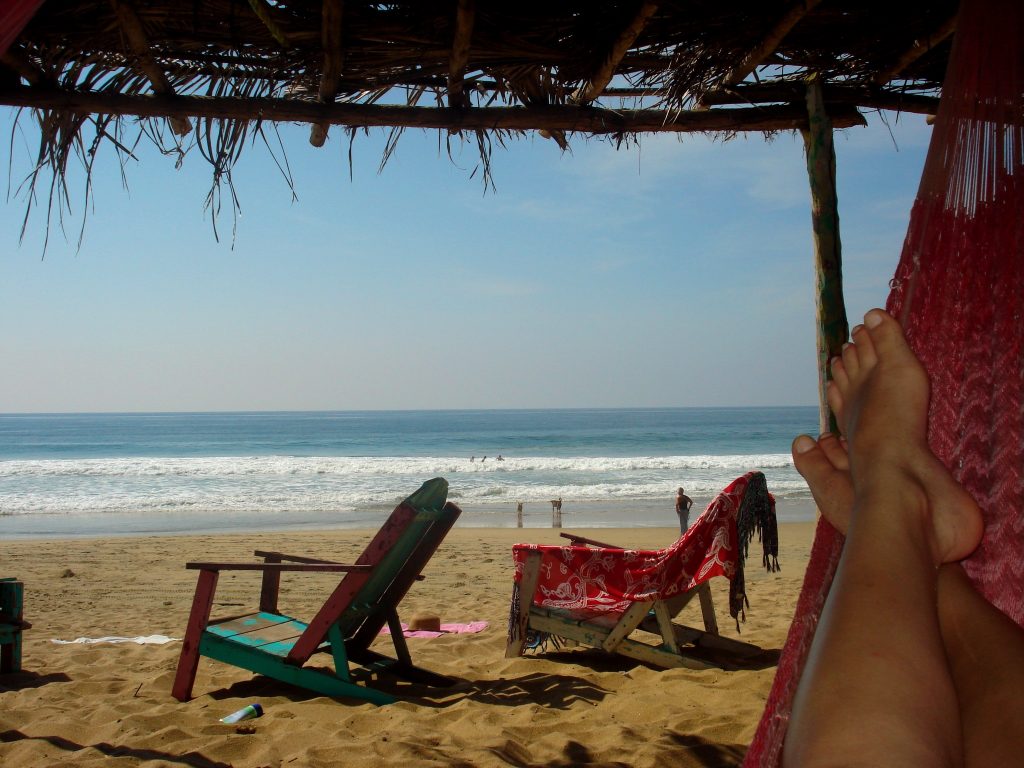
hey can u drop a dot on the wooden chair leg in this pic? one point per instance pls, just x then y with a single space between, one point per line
668 632
398 637
629 621
527 586
199 617
707 608
271 586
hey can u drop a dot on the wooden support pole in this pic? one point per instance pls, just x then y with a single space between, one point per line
784 117
833 330
334 60
464 17
138 42
623 42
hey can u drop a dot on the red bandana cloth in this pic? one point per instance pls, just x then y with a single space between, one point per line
592 581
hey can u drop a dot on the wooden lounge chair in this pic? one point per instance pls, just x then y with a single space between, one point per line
365 599
625 601
12 600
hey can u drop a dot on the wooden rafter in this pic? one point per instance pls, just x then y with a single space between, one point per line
334 62
265 14
916 51
464 18
16 60
138 42
766 47
623 42
863 96
566 118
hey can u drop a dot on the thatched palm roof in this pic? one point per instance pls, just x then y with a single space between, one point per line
212 70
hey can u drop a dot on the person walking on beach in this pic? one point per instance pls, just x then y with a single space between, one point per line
683 504
940 684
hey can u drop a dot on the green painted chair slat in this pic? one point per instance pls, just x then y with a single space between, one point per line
311 679
250 622
259 629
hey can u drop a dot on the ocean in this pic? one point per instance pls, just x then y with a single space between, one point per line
106 474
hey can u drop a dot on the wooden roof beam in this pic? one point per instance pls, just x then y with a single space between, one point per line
138 42
623 42
756 55
465 15
331 26
265 14
859 95
782 117
916 51
15 59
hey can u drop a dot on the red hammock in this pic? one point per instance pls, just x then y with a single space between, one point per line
14 15
959 292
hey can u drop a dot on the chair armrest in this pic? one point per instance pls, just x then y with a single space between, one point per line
279 567
276 557
15 622
574 539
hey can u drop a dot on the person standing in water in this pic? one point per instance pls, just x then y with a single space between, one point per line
683 504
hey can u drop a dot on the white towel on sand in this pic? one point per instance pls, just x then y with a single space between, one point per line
144 640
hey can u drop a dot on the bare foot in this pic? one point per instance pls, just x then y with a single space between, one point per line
880 393
825 465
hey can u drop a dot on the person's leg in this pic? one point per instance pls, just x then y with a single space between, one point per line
984 648
986 655
877 689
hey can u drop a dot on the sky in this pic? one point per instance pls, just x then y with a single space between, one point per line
676 273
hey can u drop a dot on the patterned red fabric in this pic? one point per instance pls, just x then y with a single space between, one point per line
959 292
14 15
594 581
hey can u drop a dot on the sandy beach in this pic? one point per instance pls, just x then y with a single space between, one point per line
110 704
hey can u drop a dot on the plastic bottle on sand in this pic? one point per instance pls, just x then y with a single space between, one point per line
250 712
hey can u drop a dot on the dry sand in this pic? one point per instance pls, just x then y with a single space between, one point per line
111 704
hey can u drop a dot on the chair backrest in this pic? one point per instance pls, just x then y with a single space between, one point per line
610 580
394 575
397 554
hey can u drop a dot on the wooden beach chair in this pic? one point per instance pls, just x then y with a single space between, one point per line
12 623
366 598
625 601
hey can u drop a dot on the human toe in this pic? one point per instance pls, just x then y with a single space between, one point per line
812 462
885 333
834 451
838 369
865 349
829 486
834 397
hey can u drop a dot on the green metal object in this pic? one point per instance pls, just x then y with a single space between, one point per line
12 605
